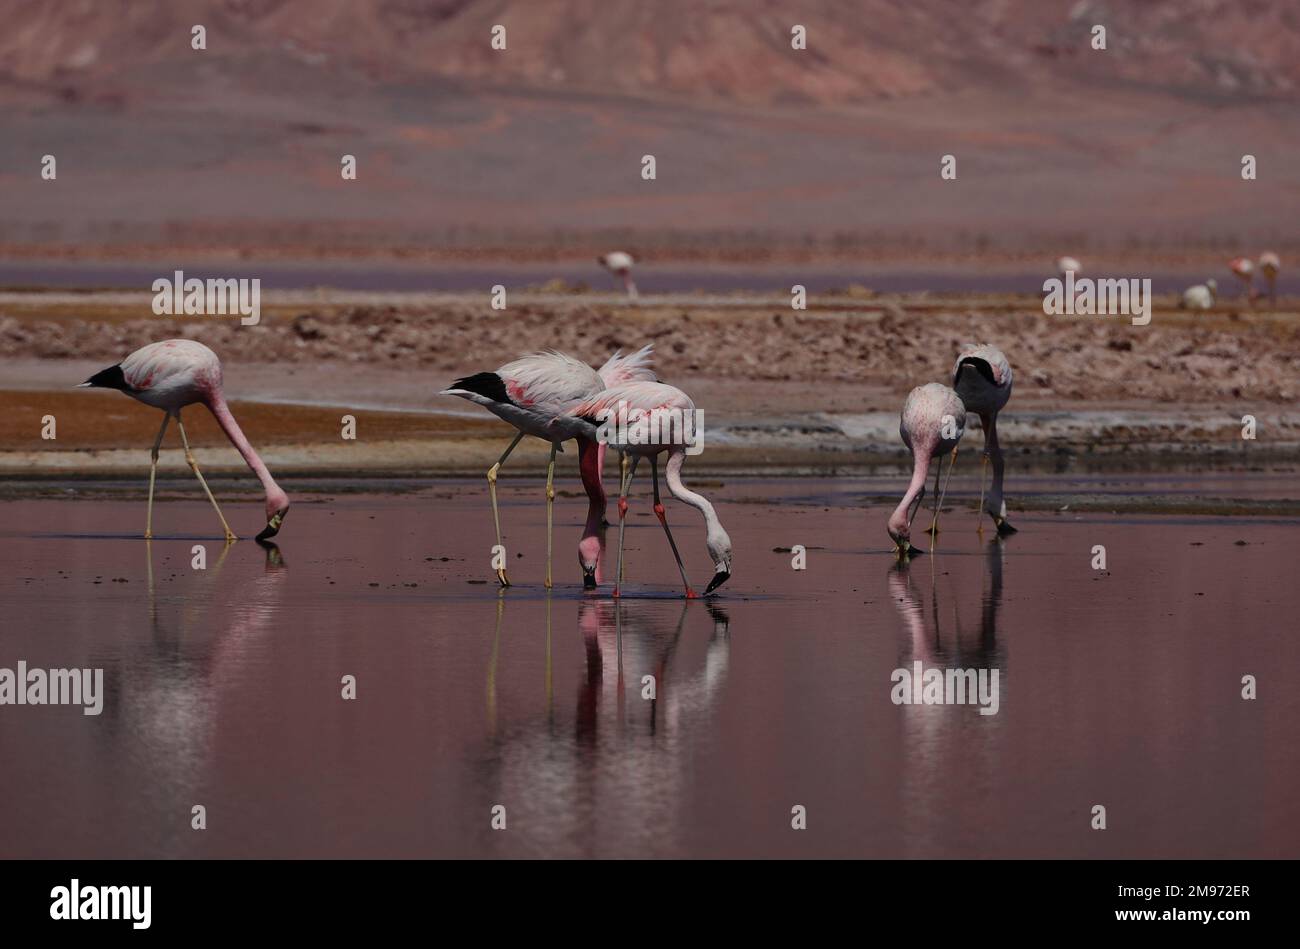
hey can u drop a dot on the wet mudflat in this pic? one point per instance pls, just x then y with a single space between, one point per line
1119 687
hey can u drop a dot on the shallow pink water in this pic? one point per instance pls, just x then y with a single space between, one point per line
223 685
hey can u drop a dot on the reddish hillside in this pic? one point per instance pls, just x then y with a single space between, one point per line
459 145
858 50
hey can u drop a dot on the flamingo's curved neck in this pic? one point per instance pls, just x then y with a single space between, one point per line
673 475
220 411
590 458
920 468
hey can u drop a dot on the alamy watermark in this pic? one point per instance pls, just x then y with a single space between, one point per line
75 901
934 686
216 296
24 686
1105 297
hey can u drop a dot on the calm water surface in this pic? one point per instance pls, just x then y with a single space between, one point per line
1119 688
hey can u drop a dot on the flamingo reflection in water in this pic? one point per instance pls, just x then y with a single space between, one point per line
623 756
936 741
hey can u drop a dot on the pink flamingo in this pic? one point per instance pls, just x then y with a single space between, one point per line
1244 270
620 264
982 379
528 393
1269 265
932 423
170 375
643 419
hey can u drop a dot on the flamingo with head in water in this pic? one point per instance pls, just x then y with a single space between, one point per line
1202 296
932 423
170 375
620 264
644 419
528 393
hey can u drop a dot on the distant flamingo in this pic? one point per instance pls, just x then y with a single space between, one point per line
528 393
932 423
646 419
1269 265
1200 297
170 375
982 378
620 264
1066 265
1244 270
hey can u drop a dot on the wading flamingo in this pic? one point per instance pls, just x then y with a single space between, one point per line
528 393
932 423
1269 265
642 420
620 264
1244 270
982 378
1200 297
170 375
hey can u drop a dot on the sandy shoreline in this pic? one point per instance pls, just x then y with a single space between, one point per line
811 391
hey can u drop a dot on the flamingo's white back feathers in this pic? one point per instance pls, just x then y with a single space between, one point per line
616 261
172 373
632 368
1199 297
933 419
549 382
639 396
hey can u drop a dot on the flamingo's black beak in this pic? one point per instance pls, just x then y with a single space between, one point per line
273 525
1004 527
589 578
719 578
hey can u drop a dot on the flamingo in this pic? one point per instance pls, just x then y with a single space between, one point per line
620 264
170 375
1269 265
1244 270
931 424
528 393
1200 297
982 378
641 415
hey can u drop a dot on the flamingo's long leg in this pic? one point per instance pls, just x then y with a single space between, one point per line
997 504
984 470
934 520
938 507
194 466
153 472
663 519
986 423
627 470
492 493
550 509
